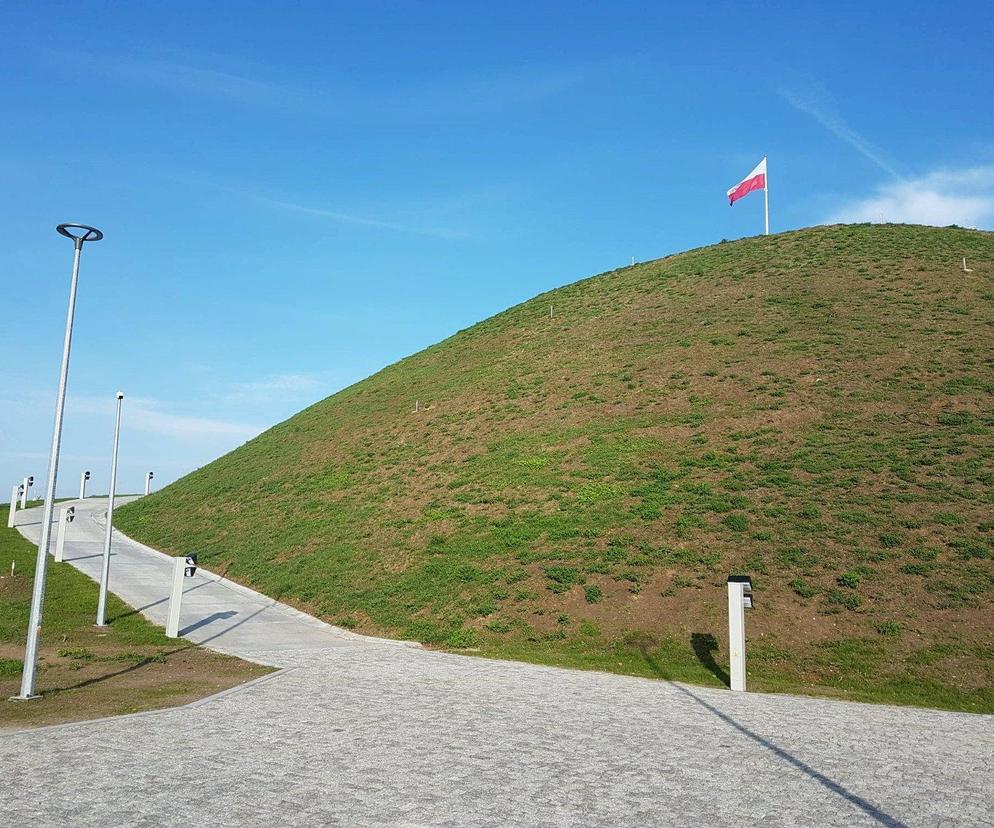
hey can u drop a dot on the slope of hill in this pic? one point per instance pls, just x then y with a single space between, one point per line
813 408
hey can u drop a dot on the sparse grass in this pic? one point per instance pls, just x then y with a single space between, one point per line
85 672
811 407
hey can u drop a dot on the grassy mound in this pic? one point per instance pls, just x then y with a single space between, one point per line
813 408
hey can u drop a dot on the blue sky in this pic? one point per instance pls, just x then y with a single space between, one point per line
295 195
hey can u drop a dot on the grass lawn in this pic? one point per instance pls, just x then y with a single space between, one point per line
83 672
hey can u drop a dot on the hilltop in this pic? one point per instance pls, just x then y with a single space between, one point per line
813 408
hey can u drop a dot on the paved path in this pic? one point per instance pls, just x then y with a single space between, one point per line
359 732
225 615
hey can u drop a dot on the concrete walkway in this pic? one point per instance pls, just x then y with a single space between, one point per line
218 612
361 732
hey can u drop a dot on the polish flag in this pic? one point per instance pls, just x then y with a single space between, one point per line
756 180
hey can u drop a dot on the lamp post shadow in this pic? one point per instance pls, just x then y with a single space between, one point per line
705 646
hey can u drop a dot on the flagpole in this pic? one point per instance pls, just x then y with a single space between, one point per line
766 195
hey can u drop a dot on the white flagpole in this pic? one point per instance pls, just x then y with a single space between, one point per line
766 194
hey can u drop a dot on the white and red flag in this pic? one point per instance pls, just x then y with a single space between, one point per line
756 180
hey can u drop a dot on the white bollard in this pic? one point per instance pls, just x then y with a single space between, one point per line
66 516
24 492
148 482
184 566
739 597
82 484
175 597
14 492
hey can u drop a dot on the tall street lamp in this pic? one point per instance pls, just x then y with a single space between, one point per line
105 572
79 233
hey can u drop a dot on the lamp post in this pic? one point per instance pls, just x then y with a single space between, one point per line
105 573
148 483
82 484
79 233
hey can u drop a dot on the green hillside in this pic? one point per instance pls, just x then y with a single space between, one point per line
813 408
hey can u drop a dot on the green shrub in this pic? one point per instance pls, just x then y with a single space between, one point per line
849 579
849 600
462 639
593 593
736 522
76 654
562 578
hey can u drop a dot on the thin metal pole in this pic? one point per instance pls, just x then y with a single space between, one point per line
766 196
24 493
105 573
41 564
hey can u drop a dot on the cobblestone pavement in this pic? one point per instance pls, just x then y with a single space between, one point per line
371 733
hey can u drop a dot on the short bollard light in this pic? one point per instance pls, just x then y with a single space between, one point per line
739 600
27 484
66 516
82 484
148 482
184 566
15 496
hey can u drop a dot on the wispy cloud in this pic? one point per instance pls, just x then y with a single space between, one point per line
276 387
819 107
360 221
185 77
152 416
942 197
255 85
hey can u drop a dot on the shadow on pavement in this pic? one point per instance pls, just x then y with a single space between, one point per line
210 619
87 557
868 808
237 624
705 646
153 604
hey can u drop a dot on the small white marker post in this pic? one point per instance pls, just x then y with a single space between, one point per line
82 484
15 493
148 482
184 566
66 516
739 598
25 485
550 312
